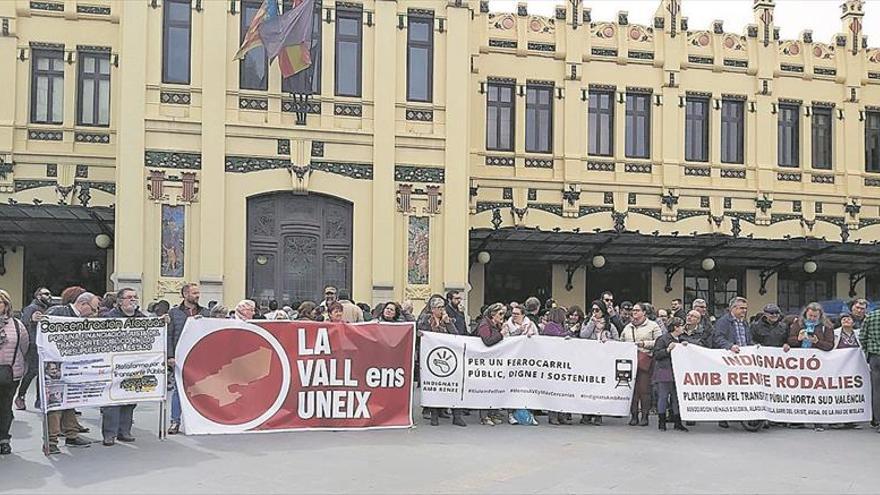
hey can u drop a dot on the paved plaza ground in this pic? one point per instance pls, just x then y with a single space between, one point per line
448 459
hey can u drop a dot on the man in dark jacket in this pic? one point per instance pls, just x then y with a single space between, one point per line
678 309
64 421
732 331
37 307
117 420
188 308
768 329
453 309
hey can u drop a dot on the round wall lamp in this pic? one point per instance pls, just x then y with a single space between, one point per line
103 241
262 259
810 266
483 257
708 264
598 261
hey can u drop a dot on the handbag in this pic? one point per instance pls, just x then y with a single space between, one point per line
7 379
645 359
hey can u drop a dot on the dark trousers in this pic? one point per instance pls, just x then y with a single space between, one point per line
666 397
7 395
33 363
874 362
641 393
117 420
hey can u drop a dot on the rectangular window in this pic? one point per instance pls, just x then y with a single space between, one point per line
732 131
600 127
93 92
420 58
696 130
349 31
47 86
872 141
539 119
253 68
176 33
638 126
788 135
794 291
311 77
823 124
499 116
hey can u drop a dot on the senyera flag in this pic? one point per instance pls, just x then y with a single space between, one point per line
289 36
259 376
252 37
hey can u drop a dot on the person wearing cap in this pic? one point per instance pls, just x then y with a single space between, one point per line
768 329
329 297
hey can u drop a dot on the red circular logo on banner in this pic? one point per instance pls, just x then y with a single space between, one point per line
232 376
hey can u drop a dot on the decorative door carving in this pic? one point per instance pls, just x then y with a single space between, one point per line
297 244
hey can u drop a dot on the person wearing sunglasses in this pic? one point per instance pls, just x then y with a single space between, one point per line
38 306
598 327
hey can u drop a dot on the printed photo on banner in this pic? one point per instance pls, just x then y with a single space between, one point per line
99 362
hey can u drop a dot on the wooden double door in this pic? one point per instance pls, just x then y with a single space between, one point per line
296 245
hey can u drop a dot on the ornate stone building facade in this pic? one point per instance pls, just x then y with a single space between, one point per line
444 147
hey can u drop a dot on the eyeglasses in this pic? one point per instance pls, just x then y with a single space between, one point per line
597 310
608 299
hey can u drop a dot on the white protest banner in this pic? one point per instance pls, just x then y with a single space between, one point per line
577 376
101 361
798 386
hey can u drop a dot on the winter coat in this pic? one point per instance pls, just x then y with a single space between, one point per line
15 346
511 329
645 334
179 315
662 356
553 329
588 331
769 334
489 333
27 318
697 337
458 319
724 335
432 325
824 330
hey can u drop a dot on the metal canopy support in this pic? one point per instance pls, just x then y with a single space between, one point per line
572 268
673 269
765 275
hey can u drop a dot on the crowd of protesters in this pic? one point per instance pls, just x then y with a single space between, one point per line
654 331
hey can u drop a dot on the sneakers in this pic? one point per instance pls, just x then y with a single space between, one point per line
76 442
511 419
487 421
108 442
457 421
125 438
174 429
51 449
19 404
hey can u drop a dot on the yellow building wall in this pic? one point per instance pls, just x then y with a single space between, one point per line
471 45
